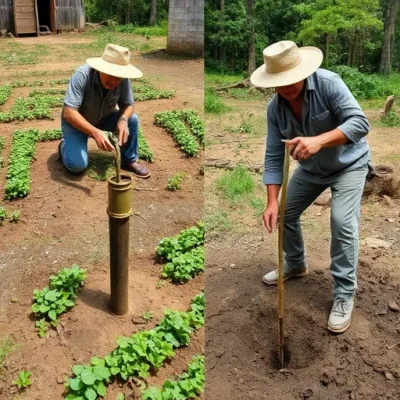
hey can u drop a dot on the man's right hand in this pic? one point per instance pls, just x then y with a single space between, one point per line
270 216
102 141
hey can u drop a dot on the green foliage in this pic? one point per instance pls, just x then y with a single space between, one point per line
17 58
143 90
145 152
186 240
193 121
235 184
62 81
23 380
392 120
50 302
5 93
101 166
187 386
246 126
148 316
2 144
47 92
174 183
18 84
42 327
185 266
137 356
14 216
90 380
172 123
185 253
3 215
363 86
213 104
49 135
18 174
6 347
35 107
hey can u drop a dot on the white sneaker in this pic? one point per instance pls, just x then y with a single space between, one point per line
340 317
272 277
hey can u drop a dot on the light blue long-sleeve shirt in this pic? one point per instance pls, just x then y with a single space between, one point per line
328 104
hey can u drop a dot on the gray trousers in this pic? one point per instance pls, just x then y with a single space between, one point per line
346 187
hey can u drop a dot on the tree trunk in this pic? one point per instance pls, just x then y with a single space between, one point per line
153 12
388 42
223 49
252 44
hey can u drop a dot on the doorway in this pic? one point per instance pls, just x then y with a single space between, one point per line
46 15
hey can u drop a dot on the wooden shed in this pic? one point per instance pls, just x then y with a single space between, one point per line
35 16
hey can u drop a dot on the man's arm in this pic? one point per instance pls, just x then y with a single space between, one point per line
75 118
273 170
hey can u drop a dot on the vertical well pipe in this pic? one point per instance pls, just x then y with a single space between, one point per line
119 209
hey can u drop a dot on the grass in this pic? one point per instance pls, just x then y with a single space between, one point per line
392 120
213 104
217 223
156 30
222 79
101 166
235 184
6 347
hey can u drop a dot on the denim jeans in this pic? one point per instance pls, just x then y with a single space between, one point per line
74 149
347 188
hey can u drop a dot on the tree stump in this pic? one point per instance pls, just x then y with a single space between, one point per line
382 181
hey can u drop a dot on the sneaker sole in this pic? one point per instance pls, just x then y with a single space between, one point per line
339 330
285 279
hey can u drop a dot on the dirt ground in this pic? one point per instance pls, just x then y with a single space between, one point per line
241 312
64 221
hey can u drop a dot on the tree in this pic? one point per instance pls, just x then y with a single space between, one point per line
385 65
153 12
252 38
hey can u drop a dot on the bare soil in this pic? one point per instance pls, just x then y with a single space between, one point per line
241 312
64 221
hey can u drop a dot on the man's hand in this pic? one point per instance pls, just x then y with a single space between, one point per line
302 148
102 141
122 131
270 216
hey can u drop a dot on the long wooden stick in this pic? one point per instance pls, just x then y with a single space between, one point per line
281 261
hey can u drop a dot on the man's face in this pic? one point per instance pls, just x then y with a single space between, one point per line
291 92
108 81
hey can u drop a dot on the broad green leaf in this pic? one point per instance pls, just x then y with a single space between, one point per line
101 372
77 369
120 396
100 389
96 361
90 394
76 384
53 315
88 378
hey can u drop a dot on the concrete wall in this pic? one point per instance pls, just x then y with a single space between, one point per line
186 27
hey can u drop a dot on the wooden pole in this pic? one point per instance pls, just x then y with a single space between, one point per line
281 260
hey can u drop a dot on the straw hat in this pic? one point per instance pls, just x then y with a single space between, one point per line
285 64
115 62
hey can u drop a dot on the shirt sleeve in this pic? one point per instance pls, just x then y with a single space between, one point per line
275 151
126 98
76 90
353 122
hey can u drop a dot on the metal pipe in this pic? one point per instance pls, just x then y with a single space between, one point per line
119 210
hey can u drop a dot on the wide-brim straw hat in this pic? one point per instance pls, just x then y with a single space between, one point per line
115 61
286 64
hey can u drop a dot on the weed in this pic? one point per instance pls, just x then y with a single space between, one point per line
14 216
236 184
161 283
246 127
23 380
213 104
14 58
6 347
392 120
174 183
148 316
3 215
259 206
217 223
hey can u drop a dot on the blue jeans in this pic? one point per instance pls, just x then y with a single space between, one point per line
347 188
74 149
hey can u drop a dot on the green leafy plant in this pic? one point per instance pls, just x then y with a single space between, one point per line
137 356
143 91
18 84
18 173
49 135
145 152
16 58
174 183
171 122
3 215
52 301
187 386
194 122
213 104
184 241
14 216
2 144
23 380
5 93
148 316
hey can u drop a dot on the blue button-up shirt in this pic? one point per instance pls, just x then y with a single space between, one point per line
86 94
328 104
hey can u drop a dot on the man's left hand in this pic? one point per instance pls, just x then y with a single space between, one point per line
302 148
122 131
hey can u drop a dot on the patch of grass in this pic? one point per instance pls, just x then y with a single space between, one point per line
101 166
217 223
213 104
236 184
392 120
6 347
15 58
245 94
156 30
174 183
372 104
259 206
222 79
